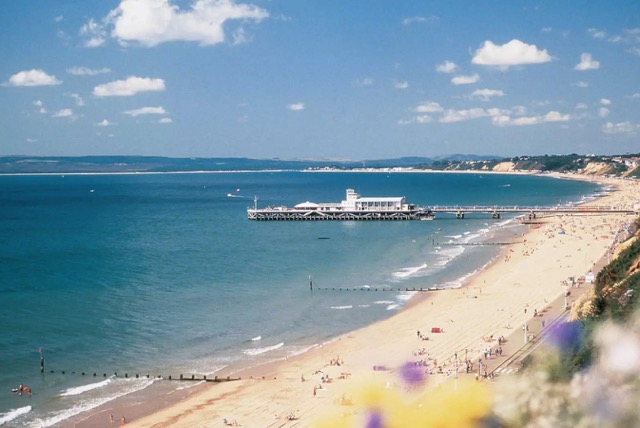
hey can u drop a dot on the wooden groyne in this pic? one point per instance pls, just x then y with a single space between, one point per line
181 377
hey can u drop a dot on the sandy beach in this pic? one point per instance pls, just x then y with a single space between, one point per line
436 331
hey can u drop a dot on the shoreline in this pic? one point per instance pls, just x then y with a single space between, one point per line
238 399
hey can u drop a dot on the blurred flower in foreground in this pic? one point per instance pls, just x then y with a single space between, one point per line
620 349
604 394
452 404
412 374
566 336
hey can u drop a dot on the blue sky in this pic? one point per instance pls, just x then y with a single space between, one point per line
324 79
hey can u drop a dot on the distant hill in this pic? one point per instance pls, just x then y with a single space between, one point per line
121 164
623 165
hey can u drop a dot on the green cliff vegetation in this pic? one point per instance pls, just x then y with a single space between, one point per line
622 166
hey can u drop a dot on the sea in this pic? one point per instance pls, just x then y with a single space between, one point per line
163 274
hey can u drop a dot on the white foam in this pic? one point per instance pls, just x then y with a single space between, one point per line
393 306
342 307
131 385
302 350
383 302
84 388
258 351
257 338
14 413
406 272
406 296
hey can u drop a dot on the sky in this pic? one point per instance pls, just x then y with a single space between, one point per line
323 79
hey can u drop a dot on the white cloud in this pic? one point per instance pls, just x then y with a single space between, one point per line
581 84
78 98
620 128
446 67
636 95
506 120
400 85
40 106
414 20
603 112
486 94
145 110
429 107
296 106
86 71
94 33
65 112
105 123
240 36
424 118
35 77
152 22
465 80
581 106
451 116
367 81
597 34
512 53
554 116
587 63
605 101
165 120
131 86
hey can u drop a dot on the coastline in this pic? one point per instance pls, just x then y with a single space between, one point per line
486 305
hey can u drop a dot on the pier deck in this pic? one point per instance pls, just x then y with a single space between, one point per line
531 211
426 213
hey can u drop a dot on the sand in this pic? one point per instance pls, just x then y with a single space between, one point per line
532 275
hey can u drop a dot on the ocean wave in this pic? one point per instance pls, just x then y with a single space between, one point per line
14 413
257 338
84 388
393 306
126 386
405 296
448 254
383 302
258 351
302 350
406 272
342 307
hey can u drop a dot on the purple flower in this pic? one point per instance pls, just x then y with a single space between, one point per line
375 420
412 374
566 336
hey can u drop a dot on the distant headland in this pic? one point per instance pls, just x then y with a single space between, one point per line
627 165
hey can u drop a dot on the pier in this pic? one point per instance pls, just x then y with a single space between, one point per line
423 213
355 207
531 211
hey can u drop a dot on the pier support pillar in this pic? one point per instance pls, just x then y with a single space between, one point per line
460 215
